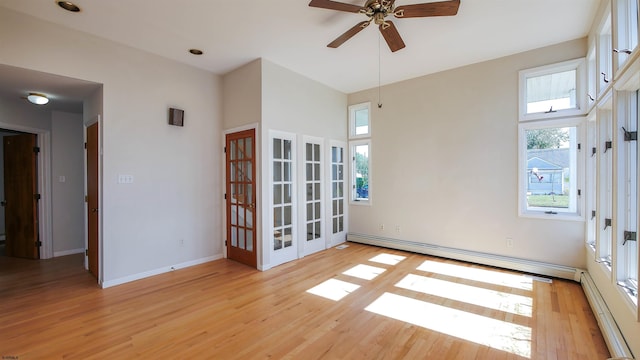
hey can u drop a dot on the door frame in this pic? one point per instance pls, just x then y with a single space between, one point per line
43 167
95 119
257 195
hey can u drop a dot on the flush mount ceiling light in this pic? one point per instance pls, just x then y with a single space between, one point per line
38 99
69 6
196 51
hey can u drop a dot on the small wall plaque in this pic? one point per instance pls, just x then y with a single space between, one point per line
176 117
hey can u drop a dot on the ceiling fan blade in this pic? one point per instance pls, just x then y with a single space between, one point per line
334 5
391 36
348 34
441 8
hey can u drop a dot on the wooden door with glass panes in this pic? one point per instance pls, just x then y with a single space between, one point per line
240 197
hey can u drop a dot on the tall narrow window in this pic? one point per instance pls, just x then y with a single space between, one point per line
627 193
360 152
605 185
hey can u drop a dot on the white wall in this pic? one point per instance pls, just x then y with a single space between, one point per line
176 191
67 161
445 157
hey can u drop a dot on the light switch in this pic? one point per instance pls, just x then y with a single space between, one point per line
62 178
125 179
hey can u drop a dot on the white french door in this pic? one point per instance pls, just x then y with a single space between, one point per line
283 242
336 209
313 224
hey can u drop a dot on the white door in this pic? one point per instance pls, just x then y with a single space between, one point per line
314 229
336 208
282 217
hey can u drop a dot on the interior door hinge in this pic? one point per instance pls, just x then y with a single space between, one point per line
630 135
225 149
629 236
36 196
225 243
36 149
38 243
225 196
86 252
85 145
86 198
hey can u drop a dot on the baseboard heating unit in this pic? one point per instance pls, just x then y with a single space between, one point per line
529 266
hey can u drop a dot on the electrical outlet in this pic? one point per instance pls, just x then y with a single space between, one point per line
398 228
509 242
181 242
381 226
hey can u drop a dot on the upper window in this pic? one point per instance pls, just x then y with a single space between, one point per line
552 91
359 124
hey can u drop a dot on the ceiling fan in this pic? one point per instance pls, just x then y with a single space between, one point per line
378 10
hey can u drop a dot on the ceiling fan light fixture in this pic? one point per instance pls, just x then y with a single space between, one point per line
69 6
38 99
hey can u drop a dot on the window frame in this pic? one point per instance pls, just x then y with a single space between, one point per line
352 120
578 213
353 199
581 104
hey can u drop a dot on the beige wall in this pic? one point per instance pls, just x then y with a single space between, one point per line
445 154
176 191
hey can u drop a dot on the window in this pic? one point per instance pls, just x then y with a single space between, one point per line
604 168
552 91
591 183
359 125
626 29
605 68
627 193
548 168
360 152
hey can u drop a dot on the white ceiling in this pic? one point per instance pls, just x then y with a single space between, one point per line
294 35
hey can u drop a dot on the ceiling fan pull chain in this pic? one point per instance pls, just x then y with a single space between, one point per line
379 72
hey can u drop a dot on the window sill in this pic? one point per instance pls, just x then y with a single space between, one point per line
360 202
556 216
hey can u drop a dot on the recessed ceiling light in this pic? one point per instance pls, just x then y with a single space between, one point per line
196 51
69 6
38 99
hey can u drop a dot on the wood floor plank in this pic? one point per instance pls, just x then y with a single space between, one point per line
52 309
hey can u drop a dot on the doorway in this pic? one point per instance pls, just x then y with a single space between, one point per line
240 163
20 226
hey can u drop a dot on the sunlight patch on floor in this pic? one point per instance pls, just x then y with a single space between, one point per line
387 259
492 299
481 275
364 272
333 289
479 329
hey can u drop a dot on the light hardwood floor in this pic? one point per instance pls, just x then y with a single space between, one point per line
419 308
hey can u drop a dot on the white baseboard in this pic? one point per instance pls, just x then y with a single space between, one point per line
162 270
68 252
610 331
530 266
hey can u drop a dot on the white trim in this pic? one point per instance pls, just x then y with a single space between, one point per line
45 210
68 252
612 336
162 270
581 103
